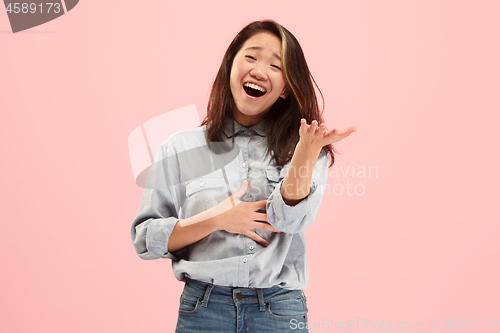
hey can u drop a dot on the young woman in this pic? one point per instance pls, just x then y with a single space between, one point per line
229 201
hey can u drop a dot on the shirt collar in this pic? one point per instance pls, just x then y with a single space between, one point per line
259 128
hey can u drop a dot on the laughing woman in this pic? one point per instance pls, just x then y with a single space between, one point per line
242 256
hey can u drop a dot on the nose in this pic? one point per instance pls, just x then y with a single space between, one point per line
258 73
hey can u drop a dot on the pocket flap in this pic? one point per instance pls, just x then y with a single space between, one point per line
273 175
205 183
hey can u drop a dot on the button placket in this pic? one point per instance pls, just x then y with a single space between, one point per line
244 158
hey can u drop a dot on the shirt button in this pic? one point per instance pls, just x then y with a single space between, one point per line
244 164
245 259
202 184
244 285
251 247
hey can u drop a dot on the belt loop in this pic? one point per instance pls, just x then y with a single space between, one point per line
207 295
262 305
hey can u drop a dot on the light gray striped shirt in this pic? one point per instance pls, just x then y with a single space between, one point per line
188 178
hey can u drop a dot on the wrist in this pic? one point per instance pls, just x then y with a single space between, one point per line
309 149
216 220
213 219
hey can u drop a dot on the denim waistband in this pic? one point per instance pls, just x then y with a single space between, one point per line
205 292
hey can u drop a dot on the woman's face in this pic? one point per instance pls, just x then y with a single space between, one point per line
256 78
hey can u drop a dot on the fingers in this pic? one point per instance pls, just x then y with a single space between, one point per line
314 126
308 128
256 237
259 204
303 126
242 190
322 129
332 132
253 235
348 131
265 226
260 217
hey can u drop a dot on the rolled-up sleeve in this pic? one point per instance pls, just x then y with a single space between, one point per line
294 219
158 211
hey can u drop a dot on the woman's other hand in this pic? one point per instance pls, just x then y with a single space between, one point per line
319 136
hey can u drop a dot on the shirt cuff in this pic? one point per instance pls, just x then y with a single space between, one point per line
289 219
157 236
287 212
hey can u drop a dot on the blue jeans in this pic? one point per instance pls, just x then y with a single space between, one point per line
208 308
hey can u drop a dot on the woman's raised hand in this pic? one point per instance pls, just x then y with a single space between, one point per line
318 134
242 218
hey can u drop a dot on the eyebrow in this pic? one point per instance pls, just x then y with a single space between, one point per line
260 49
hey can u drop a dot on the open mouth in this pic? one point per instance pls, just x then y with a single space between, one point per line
254 90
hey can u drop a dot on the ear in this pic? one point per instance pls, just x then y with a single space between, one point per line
284 94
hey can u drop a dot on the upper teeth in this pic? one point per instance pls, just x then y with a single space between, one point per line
254 86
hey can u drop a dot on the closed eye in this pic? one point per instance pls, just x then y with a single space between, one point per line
254 59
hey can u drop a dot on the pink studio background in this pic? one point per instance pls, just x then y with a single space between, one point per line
420 79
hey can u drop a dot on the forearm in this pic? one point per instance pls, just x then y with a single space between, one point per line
185 234
296 185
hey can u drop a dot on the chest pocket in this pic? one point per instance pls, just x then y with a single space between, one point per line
204 193
272 175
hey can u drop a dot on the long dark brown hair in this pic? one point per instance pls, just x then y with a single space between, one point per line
285 114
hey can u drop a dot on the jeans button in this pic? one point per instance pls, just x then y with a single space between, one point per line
238 296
